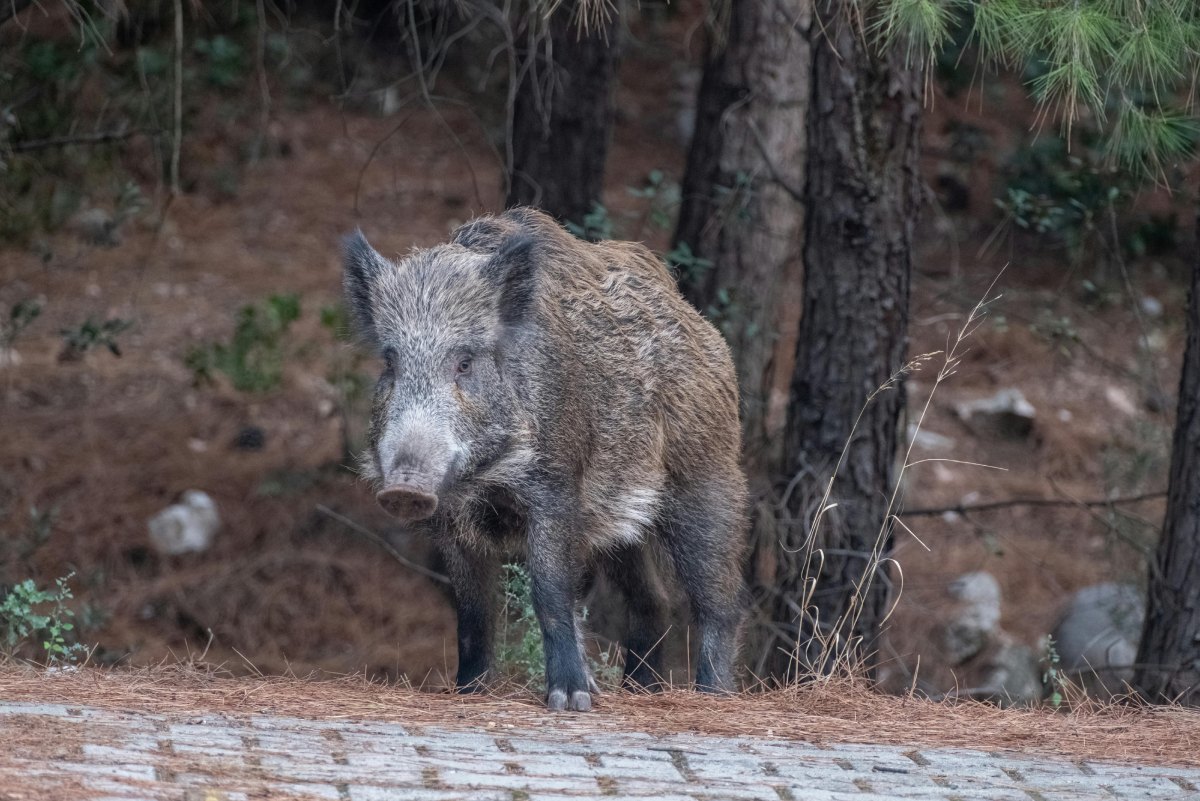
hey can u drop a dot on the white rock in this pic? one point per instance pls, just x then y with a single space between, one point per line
1119 399
976 617
929 440
186 527
1151 306
1010 675
1007 413
1097 636
9 357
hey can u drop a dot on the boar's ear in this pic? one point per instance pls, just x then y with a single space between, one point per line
512 269
362 267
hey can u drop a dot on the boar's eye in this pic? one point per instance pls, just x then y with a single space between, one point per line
462 367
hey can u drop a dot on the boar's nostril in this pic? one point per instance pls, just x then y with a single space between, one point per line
407 503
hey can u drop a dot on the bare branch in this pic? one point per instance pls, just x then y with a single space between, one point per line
11 8
963 509
382 543
82 139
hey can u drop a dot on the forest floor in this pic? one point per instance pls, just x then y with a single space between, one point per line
172 733
93 447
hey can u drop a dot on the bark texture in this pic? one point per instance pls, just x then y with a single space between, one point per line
743 208
801 190
1169 655
862 192
562 117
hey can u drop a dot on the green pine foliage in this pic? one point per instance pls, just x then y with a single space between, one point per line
1130 65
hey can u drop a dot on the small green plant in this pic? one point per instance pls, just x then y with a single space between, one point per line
130 202
1064 194
662 198
1053 677
253 359
726 313
1058 330
335 320
31 615
225 60
595 226
686 264
91 334
519 652
20 316
734 201
41 525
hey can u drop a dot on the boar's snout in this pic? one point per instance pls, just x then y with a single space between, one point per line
407 502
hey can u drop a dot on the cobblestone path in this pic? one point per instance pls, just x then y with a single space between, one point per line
60 753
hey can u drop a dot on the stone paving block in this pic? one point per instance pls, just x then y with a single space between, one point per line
508 781
133 772
317 792
621 796
127 757
123 753
365 793
633 768
555 765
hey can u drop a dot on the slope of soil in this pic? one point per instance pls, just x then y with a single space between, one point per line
103 443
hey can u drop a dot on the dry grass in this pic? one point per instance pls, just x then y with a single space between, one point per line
829 711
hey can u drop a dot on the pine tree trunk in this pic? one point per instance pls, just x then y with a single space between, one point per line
742 206
862 191
562 118
1169 656
802 189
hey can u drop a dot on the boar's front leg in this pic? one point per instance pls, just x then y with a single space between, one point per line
472 578
554 567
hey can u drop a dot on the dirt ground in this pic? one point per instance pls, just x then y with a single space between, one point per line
103 443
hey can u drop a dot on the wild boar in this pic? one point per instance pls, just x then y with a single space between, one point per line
561 397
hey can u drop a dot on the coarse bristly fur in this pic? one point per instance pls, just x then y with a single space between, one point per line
562 395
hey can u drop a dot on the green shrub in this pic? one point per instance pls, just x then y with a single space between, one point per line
20 316
91 334
1064 194
595 226
29 615
519 652
253 359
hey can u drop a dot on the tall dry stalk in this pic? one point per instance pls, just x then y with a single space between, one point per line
840 651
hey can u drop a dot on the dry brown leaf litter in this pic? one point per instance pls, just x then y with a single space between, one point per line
826 711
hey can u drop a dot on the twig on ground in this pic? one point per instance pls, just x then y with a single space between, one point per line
963 509
82 139
382 543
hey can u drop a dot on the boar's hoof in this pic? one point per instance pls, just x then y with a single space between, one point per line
581 701
407 503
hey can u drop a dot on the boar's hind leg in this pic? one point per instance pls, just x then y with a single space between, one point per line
555 564
703 532
471 578
630 568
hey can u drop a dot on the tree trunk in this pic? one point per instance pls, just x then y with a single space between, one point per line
742 206
802 190
1169 656
562 116
862 194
